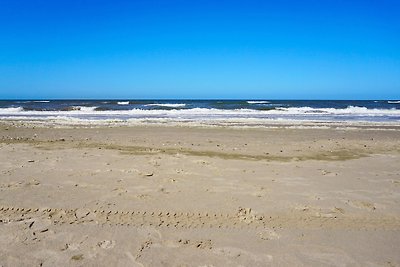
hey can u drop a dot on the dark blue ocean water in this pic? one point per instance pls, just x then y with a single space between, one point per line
202 110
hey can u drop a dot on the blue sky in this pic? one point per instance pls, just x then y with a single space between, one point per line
328 49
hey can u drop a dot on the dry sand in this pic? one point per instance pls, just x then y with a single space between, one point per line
187 196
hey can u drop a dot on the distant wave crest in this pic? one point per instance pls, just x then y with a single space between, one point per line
167 105
258 102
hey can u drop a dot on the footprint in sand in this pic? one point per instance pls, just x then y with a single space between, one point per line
362 205
269 234
19 184
233 252
72 246
246 215
328 173
260 192
39 225
142 196
81 213
77 257
201 244
106 244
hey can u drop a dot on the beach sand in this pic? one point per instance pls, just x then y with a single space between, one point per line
198 196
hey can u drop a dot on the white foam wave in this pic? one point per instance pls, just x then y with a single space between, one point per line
258 102
88 109
351 110
11 110
123 103
41 101
90 115
394 102
167 105
75 109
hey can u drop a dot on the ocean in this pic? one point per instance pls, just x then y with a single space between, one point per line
235 112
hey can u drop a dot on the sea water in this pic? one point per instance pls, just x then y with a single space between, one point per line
202 111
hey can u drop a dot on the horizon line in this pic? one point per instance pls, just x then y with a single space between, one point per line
194 99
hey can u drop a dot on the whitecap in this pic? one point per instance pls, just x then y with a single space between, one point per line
11 110
167 105
258 102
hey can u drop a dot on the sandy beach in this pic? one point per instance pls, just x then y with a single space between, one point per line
199 196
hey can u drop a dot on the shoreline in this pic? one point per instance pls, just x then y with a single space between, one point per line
244 124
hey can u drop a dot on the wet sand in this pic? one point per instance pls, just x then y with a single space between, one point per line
198 196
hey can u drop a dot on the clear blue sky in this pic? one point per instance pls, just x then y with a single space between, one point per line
322 49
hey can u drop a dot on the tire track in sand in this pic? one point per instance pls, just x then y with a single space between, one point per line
242 219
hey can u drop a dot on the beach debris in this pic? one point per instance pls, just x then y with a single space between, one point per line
149 174
31 160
